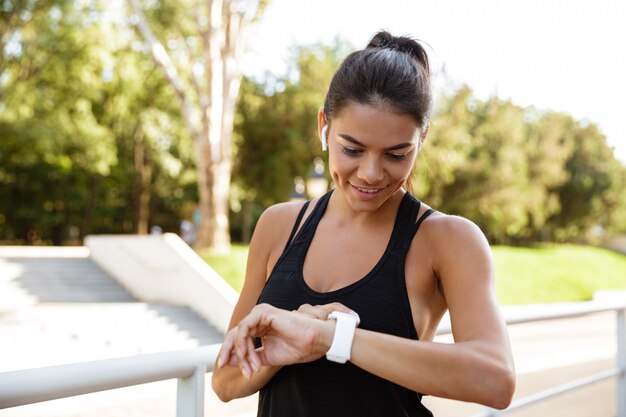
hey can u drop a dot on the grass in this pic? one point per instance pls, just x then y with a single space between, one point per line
556 273
231 267
542 274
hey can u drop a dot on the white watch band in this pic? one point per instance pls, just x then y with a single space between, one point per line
344 335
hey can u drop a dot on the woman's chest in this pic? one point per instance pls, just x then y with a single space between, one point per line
337 259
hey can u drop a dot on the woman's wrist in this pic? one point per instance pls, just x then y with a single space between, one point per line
325 334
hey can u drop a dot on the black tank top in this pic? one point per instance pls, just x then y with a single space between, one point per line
323 388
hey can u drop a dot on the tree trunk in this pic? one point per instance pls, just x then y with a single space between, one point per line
90 205
222 41
214 232
143 178
246 221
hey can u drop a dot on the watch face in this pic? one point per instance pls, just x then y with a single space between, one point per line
335 314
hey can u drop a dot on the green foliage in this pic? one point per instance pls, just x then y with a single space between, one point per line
522 175
276 128
82 120
92 139
589 196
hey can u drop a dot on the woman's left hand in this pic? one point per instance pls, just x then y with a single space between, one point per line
321 311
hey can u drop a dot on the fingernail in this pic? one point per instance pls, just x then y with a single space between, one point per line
246 372
220 361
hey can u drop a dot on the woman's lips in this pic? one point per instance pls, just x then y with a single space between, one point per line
366 193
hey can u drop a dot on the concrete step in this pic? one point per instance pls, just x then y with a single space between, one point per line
65 280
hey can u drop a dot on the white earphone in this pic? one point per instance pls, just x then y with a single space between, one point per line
324 138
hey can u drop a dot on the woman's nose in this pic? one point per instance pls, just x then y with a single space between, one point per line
371 170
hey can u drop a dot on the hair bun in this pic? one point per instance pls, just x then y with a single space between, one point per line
404 44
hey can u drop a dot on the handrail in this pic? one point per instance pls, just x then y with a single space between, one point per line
543 312
41 384
52 382
619 371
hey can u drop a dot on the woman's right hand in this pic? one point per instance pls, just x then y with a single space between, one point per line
288 337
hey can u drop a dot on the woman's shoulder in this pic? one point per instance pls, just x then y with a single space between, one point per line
277 221
281 212
444 222
457 247
448 231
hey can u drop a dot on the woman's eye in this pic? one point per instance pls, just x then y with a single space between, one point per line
397 157
351 151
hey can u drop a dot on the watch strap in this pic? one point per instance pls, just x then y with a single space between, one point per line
341 346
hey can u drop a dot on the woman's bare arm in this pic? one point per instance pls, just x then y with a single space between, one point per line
270 236
478 366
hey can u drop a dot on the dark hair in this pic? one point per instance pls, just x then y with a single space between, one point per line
392 71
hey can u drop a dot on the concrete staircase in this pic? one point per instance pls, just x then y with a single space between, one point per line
57 306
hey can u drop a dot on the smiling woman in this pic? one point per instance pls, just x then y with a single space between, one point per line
343 294
373 152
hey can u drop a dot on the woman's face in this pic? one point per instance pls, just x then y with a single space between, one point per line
371 153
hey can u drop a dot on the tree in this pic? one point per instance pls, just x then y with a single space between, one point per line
276 129
50 139
594 189
495 163
90 137
205 41
276 135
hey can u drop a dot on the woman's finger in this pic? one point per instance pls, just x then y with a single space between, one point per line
241 349
337 307
249 328
253 356
321 311
225 355
313 311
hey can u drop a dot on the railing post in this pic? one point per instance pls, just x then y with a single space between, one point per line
621 364
190 398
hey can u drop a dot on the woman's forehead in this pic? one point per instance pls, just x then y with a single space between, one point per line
366 122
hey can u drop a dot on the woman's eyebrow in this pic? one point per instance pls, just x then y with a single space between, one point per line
391 148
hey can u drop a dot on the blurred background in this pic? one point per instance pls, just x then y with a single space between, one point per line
147 117
130 117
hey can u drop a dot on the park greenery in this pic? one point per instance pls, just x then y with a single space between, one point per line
95 138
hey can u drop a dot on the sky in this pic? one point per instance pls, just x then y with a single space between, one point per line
567 55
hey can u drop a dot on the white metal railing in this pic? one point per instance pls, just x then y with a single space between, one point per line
619 371
42 384
189 366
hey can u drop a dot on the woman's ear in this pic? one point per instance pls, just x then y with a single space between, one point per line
423 136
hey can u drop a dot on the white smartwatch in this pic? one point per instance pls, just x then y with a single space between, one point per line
344 334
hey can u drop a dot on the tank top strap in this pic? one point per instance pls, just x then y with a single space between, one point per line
310 224
319 209
299 239
411 223
297 223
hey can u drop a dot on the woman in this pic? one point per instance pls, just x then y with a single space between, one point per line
371 250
